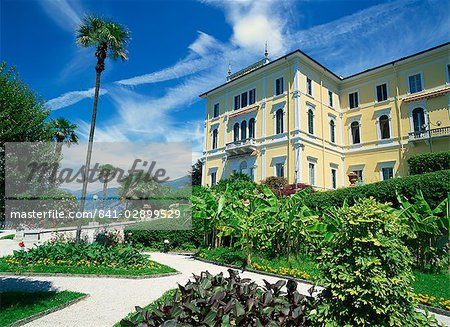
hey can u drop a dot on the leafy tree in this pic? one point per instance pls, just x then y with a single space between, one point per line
110 39
367 269
196 173
22 119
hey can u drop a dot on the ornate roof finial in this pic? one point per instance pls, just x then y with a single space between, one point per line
229 69
266 53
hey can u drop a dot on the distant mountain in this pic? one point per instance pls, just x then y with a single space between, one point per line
179 182
111 193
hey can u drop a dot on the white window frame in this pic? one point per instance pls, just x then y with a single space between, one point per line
350 139
416 104
447 73
311 85
211 171
275 108
313 165
376 94
279 160
332 119
361 168
387 164
275 86
421 82
313 109
348 99
378 114
236 139
212 138
332 168
218 111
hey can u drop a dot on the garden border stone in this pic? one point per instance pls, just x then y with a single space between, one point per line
31 274
31 318
420 306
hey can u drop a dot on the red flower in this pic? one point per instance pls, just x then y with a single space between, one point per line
120 249
21 244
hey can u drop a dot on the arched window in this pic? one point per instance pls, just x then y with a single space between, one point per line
214 139
310 121
244 130
356 138
418 120
279 121
332 131
243 167
385 132
251 128
236 132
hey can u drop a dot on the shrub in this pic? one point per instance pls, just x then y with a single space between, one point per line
56 252
227 301
434 186
276 184
429 162
153 233
237 181
366 269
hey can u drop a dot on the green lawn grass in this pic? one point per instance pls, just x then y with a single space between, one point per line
134 316
154 269
15 306
8 237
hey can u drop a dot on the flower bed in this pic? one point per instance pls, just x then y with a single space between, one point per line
106 256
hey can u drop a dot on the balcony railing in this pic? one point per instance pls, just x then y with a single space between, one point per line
241 147
435 132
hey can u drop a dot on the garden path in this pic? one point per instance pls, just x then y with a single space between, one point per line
111 299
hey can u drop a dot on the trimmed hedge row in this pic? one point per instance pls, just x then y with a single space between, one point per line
429 162
435 187
153 233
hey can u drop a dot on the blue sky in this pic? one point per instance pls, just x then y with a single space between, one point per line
180 49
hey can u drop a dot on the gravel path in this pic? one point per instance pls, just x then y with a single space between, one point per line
111 299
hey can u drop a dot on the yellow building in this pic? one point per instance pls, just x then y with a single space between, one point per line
293 117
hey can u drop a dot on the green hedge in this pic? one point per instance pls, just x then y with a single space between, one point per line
429 162
153 233
434 186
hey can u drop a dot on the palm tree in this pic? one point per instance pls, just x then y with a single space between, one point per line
107 173
110 39
63 132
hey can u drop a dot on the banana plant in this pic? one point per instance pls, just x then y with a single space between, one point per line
247 218
430 226
207 207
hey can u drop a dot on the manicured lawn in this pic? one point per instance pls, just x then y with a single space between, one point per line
433 287
8 237
15 306
134 316
8 264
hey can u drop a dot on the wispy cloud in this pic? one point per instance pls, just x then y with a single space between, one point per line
203 55
65 13
70 98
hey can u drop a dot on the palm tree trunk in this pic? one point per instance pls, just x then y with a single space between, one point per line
105 185
100 63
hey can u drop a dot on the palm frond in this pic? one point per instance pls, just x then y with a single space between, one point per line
96 31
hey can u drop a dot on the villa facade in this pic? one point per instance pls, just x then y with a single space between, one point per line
293 117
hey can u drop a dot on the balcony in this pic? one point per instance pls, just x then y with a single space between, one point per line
426 134
241 147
